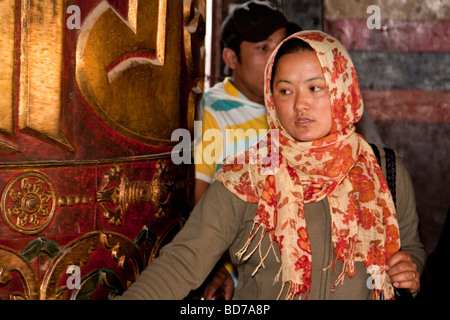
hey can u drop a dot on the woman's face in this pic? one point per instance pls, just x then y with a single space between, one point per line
301 97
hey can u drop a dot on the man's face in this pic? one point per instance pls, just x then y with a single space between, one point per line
248 73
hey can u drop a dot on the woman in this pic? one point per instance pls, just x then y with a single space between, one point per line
318 223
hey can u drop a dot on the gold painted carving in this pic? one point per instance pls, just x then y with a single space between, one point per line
194 13
11 262
129 70
40 70
165 238
7 27
41 58
29 203
117 192
78 253
124 253
73 200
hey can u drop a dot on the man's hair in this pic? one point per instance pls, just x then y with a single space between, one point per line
253 21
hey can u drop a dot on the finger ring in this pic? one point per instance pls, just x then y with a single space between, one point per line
413 275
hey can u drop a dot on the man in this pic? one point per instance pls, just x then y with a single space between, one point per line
249 35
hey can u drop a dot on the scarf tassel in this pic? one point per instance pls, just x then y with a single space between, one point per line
262 256
293 290
348 261
252 235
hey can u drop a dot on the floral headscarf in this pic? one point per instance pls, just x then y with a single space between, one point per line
340 166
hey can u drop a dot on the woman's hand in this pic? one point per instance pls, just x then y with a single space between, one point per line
403 272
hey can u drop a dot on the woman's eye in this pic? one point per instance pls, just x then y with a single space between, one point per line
285 91
315 89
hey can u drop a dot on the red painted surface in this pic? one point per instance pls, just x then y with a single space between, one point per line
81 173
408 105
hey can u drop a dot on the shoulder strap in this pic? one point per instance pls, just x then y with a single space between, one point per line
376 152
391 173
389 155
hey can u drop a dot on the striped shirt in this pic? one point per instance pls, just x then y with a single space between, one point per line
231 123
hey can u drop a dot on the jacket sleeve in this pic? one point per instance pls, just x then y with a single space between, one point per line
408 219
184 263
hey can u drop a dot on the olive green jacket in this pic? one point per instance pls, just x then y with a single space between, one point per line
222 221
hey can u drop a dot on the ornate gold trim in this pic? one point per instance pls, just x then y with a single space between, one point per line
28 203
194 17
117 192
165 238
147 56
79 252
81 163
7 26
41 57
11 262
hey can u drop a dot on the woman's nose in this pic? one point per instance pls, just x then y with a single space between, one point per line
302 103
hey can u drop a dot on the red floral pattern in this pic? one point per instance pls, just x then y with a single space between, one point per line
314 36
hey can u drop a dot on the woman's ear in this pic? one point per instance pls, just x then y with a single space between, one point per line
229 57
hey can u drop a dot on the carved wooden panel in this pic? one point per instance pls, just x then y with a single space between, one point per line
90 93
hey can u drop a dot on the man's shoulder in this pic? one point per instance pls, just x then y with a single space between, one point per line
218 98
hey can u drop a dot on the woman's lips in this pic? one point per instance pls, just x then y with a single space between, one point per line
302 121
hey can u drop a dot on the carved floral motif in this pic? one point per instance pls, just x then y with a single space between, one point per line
29 203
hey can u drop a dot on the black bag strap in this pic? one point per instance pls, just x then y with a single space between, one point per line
391 171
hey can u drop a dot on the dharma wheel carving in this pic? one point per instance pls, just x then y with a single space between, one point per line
29 203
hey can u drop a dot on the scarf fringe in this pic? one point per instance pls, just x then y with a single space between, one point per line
383 294
331 257
277 277
348 262
252 235
262 256
378 294
385 291
293 290
244 249
261 263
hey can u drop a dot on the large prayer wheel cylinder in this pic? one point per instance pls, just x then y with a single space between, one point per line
90 93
